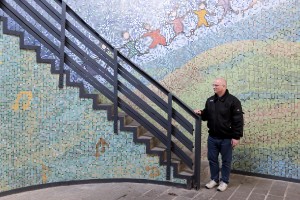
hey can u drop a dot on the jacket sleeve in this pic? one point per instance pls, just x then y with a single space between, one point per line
204 113
237 119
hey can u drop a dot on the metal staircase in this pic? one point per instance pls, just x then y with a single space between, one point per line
156 117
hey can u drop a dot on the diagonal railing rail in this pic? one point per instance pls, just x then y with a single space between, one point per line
79 48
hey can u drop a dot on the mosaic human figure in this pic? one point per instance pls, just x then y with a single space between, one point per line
226 5
130 45
201 14
176 22
155 35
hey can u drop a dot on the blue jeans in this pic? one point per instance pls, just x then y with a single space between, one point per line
215 147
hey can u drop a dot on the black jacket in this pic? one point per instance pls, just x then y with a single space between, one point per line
224 116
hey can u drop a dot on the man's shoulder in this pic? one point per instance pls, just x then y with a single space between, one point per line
234 100
232 97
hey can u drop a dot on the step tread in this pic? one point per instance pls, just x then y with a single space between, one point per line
145 137
133 124
122 114
161 145
148 134
158 149
185 173
186 169
104 104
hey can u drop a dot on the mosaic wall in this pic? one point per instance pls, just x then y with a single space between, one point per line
254 44
51 135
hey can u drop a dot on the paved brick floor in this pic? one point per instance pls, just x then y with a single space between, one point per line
240 188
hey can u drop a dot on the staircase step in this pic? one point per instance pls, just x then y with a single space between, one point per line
104 104
145 137
99 106
185 173
175 157
122 114
175 161
133 124
188 153
186 169
161 145
158 149
148 134
127 119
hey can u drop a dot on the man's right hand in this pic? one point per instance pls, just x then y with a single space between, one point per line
198 112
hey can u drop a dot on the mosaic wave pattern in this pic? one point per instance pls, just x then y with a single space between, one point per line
50 135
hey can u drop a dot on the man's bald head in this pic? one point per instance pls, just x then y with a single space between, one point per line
220 86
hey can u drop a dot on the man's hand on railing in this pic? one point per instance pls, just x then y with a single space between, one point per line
198 112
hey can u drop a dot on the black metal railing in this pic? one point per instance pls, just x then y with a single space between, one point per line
79 48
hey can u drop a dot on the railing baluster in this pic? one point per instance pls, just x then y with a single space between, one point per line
116 91
169 136
62 45
197 164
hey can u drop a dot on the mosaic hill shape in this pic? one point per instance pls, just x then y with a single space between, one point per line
265 76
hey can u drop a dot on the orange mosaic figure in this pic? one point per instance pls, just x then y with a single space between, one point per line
156 36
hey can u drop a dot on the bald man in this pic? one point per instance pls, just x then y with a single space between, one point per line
224 116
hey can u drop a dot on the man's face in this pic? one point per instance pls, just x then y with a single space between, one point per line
219 87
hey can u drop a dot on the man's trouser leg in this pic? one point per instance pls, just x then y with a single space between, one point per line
213 150
226 152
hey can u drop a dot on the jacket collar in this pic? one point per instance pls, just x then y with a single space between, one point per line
222 98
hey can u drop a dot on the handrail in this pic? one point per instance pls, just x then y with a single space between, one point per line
73 47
